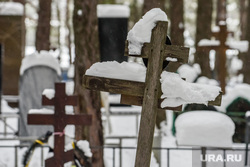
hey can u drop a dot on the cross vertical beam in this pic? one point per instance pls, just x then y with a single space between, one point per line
151 94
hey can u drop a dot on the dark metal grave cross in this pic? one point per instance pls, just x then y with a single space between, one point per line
146 94
221 50
59 120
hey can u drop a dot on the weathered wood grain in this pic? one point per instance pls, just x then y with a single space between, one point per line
114 85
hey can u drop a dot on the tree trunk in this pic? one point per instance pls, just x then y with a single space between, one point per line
221 11
243 19
177 22
67 23
246 59
43 26
149 4
203 31
87 53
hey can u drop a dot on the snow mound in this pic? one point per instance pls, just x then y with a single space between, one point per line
84 146
44 58
112 69
176 91
11 8
49 93
113 11
242 46
204 128
142 30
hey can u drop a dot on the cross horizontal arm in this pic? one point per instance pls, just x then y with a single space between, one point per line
173 51
137 100
114 85
70 100
208 48
41 119
79 119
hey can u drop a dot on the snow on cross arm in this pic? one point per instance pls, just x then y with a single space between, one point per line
112 69
11 8
142 30
176 91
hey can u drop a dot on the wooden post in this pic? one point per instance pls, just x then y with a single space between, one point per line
151 95
59 120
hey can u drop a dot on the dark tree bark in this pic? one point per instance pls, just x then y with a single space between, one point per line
221 11
67 23
246 58
87 53
177 22
43 26
149 4
203 31
243 18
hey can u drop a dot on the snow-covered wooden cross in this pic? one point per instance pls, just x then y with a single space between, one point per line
59 120
221 46
148 93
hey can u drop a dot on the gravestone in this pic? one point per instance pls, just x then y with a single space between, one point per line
12 40
113 27
236 110
36 75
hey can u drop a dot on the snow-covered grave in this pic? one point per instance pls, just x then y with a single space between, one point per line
205 129
147 40
38 71
59 119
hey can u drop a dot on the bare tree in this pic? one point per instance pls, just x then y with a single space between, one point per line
149 4
243 18
246 58
177 22
43 26
203 31
87 53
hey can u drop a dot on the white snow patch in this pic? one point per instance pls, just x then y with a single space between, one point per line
113 11
84 146
49 93
190 73
247 114
176 91
242 46
205 80
44 58
71 71
204 128
11 8
41 111
112 69
171 59
142 30
207 42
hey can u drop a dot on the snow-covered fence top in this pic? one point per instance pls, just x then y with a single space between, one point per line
113 11
44 58
11 8
205 129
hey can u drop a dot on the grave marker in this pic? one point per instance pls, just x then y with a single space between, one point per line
148 93
59 120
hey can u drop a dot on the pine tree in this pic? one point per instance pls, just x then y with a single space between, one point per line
87 53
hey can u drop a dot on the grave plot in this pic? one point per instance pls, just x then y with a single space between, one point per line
59 119
151 88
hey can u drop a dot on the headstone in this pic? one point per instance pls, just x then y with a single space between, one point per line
12 40
38 72
113 27
236 110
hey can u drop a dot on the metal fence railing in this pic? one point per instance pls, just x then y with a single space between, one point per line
115 154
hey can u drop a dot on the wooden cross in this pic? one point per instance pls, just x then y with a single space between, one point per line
59 120
221 50
146 94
